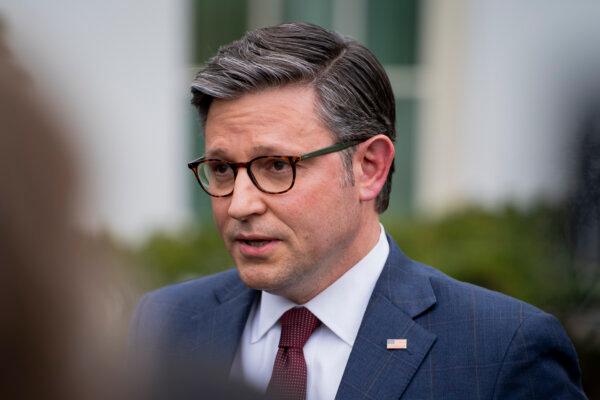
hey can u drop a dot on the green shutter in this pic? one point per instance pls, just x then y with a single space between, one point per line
393 31
315 11
401 200
200 200
216 22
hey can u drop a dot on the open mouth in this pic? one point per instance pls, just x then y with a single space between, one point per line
256 247
256 243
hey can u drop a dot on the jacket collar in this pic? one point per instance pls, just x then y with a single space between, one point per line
402 293
405 283
227 322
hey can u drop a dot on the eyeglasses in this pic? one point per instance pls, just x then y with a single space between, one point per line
270 174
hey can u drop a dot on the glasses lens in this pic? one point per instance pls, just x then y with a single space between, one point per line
217 177
273 174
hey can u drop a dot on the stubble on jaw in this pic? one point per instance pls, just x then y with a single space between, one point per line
298 280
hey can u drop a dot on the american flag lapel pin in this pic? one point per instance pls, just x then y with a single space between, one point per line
396 344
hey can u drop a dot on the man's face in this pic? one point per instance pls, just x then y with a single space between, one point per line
288 244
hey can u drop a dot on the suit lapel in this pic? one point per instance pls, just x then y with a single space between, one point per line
227 322
402 292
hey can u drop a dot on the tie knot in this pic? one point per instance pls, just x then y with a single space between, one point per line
297 325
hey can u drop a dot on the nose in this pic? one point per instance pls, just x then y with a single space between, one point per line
246 199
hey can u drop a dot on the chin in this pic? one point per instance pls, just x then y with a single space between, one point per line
256 277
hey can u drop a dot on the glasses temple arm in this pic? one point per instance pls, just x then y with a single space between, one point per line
330 149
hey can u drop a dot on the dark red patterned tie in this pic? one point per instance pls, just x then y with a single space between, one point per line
288 380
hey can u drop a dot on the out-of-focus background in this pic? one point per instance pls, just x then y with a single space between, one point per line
498 149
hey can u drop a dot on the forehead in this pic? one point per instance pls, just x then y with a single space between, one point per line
278 118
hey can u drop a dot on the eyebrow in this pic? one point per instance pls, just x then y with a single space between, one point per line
216 152
258 150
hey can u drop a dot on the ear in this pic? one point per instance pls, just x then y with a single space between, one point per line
371 164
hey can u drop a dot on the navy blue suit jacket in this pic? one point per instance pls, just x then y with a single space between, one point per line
464 342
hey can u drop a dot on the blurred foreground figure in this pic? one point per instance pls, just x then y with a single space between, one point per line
62 323
299 130
55 323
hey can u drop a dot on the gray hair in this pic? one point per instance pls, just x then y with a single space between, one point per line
354 96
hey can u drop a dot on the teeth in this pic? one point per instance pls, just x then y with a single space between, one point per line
256 243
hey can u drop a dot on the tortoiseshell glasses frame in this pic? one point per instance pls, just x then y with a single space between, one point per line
229 173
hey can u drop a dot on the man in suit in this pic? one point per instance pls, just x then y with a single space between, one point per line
299 130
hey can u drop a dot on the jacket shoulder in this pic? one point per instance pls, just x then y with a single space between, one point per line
194 294
458 297
518 350
170 308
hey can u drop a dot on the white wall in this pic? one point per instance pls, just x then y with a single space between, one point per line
524 67
439 142
118 69
527 62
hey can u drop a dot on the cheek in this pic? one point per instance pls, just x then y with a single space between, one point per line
299 207
219 210
313 215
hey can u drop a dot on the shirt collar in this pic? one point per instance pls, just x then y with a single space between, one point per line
340 307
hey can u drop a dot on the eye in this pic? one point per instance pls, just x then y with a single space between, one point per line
219 168
276 165
215 173
279 165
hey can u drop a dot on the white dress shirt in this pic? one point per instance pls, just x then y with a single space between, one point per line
340 308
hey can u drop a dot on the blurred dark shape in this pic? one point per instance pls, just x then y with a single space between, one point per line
193 380
585 220
583 318
197 372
